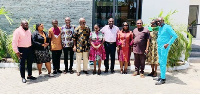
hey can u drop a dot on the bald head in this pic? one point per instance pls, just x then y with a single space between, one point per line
110 22
55 23
67 18
24 24
160 18
24 21
67 21
160 21
81 19
82 22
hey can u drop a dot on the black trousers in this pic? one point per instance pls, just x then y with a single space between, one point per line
56 59
139 62
66 51
27 55
110 50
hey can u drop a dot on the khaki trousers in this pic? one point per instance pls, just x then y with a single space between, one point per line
78 61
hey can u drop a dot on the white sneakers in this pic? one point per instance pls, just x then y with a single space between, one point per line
51 75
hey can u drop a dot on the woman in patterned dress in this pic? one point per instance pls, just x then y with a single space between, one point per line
97 50
152 56
40 43
124 38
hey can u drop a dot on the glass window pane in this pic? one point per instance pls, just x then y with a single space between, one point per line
103 11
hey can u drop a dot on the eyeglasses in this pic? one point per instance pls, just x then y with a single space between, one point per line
139 23
83 22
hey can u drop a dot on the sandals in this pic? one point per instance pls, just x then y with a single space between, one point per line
151 74
121 71
94 72
142 75
99 72
154 74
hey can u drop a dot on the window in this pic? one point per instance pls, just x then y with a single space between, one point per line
193 19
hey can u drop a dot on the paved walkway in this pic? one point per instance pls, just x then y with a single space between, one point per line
178 82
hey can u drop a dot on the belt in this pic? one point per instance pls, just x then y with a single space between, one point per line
110 42
24 47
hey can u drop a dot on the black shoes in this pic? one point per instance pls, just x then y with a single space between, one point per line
161 81
32 78
85 72
59 71
112 71
71 71
99 72
23 80
151 74
94 72
106 71
54 72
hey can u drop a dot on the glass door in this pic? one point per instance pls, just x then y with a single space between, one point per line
103 11
126 11
121 10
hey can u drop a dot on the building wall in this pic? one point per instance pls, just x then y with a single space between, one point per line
44 11
197 2
152 9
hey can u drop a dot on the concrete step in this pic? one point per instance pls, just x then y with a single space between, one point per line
194 59
194 54
195 47
195 50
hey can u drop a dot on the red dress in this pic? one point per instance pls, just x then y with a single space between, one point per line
123 41
97 54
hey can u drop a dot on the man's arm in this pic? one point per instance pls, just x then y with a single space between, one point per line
148 41
15 43
74 37
173 34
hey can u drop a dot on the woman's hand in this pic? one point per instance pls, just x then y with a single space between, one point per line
98 46
46 44
74 49
118 49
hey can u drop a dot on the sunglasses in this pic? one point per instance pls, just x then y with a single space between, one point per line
125 25
139 23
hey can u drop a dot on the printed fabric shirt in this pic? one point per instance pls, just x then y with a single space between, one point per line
66 36
81 36
166 35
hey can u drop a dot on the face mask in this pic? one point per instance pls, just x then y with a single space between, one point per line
162 24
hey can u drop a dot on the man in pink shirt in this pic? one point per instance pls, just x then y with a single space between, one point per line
110 35
21 45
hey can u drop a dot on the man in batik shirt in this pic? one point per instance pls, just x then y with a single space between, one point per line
81 45
67 43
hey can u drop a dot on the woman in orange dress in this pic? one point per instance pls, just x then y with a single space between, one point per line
124 38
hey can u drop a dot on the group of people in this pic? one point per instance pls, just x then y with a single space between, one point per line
152 43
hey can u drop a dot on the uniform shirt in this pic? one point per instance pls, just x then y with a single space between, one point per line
66 36
140 40
81 36
21 38
110 35
166 35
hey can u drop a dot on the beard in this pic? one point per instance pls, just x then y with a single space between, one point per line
25 28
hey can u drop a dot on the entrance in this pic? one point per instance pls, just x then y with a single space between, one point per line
121 10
